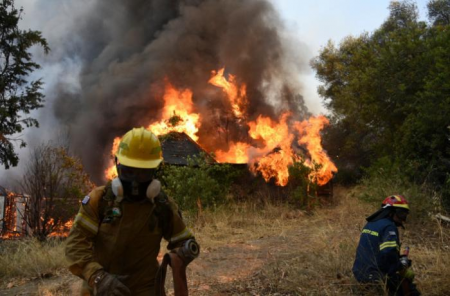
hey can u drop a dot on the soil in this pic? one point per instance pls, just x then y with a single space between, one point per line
215 272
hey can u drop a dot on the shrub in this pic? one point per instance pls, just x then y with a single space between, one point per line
302 189
199 181
385 178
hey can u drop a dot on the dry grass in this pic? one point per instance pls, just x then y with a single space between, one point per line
266 249
30 258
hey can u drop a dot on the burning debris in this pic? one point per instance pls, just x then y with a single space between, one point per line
15 217
12 213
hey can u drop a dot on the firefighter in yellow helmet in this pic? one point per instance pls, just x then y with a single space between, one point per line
115 240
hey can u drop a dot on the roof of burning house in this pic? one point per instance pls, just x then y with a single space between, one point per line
177 147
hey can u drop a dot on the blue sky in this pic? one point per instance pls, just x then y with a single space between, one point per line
315 22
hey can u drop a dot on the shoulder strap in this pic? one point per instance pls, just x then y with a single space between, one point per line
163 213
108 197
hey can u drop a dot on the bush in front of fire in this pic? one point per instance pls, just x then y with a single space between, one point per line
200 183
302 192
19 96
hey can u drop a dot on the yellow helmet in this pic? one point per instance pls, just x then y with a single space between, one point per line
139 148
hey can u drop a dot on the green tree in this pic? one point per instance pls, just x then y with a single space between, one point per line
439 12
389 95
17 96
369 83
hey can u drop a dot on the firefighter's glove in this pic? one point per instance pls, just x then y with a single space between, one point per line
405 261
409 274
106 284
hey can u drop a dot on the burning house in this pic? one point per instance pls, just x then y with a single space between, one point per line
177 148
20 216
12 214
224 73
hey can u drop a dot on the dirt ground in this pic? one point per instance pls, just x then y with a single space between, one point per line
214 273
297 254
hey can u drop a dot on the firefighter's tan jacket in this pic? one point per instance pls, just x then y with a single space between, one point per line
127 246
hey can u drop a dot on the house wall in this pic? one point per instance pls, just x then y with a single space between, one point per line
2 210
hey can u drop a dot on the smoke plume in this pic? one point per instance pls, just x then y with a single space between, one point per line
121 53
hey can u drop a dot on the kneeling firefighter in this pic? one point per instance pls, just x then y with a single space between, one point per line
115 240
378 258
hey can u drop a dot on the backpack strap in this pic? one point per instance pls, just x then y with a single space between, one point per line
106 203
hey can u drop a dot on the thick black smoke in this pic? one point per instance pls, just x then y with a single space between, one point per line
128 48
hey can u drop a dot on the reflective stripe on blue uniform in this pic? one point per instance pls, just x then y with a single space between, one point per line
377 254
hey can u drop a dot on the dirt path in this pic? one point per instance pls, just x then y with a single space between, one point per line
216 272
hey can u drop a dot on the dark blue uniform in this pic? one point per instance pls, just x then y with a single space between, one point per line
378 252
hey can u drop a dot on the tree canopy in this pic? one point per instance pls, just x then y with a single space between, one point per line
389 95
17 95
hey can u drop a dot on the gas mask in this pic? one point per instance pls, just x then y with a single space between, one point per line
135 182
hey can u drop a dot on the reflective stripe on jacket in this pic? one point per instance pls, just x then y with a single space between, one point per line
128 245
377 254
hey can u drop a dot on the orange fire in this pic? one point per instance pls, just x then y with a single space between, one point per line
310 131
270 163
238 153
177 116
270 150
61 230
111 171
236 96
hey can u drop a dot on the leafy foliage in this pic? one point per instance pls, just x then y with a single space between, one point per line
17 96
199 181
439 12
389 95
385 178
302 192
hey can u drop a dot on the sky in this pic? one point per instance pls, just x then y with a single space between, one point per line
316 22
312 23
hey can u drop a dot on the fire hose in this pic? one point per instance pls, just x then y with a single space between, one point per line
178 260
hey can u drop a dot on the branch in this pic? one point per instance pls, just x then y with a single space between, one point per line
442 218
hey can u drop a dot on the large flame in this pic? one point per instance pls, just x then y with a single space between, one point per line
237 96
237 153
177 116
275 135
310 136
269 150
